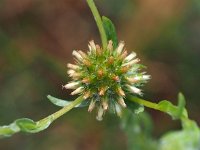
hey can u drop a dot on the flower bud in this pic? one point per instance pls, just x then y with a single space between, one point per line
120 47
123 55
120 91
104 77
87 95
121 102
110 45
91 106
77 55
77 91
93 46
83 55
130 63
99 116
134 89
72 85
130 57
105 104
72 66
118 110
98 49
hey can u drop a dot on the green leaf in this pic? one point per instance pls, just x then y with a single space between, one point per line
63 103
138 128
181 106
110 30
24 125
29 126
176 112
186 139
134 107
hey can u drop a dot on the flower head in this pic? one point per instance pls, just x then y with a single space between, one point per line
105 76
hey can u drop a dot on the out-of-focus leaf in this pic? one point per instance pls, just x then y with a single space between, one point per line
134 107
186 139
110 30
138 129
140 109
63 103
181 106
25 125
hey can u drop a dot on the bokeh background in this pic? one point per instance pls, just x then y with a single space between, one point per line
36 41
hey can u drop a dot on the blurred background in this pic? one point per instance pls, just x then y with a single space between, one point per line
36 41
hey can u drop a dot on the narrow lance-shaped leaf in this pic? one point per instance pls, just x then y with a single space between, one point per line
110 30
63 103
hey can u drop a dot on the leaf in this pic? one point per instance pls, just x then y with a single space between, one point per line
110 30
181 106
63 103
175 112
140 109
25 125
134 107
29 126
138 128
186 139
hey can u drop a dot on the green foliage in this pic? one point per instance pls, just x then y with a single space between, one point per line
138 128
186 139
110 30
63 103
176 112
25 125
29 126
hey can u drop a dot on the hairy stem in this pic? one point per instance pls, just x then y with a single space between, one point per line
99 22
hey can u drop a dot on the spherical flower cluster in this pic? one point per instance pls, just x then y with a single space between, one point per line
105 76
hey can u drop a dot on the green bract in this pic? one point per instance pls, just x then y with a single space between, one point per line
105 76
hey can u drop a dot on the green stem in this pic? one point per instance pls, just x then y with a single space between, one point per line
64 110
176 112
99 22
144 102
